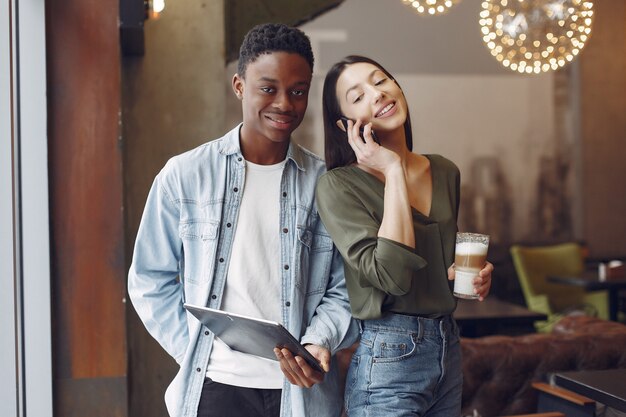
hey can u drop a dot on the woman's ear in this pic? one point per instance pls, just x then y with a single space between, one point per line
340 125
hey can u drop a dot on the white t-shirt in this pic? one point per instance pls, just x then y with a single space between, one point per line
253 283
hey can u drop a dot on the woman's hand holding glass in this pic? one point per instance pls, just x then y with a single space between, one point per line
482 283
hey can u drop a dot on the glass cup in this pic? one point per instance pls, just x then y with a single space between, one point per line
470 257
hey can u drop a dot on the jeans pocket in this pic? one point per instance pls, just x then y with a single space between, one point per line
393 347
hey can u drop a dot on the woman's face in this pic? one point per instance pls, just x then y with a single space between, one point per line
366 93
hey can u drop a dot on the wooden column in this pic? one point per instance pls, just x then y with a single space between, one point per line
88 270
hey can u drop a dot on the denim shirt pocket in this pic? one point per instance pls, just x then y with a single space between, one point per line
314 256
199 238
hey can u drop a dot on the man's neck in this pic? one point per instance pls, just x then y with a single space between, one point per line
261 150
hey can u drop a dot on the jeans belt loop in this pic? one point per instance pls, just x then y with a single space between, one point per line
420 328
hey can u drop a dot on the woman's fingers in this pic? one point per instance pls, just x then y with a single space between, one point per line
367 134
451 272
483 281
362 144
354 139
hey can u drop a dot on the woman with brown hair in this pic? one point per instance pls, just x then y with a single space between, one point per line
392 214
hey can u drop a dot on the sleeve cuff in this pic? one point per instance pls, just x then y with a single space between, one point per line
398 252
312 339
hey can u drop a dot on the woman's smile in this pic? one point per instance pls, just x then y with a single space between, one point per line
388 110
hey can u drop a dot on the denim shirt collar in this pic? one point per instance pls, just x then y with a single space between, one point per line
230 145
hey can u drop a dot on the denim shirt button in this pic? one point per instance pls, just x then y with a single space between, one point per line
228 224
287 303
285 230
206 332
213 296
284 194
235 189
198 369
221 259
286 267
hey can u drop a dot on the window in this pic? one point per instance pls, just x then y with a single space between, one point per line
25 345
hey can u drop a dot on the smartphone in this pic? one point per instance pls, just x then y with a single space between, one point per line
344 121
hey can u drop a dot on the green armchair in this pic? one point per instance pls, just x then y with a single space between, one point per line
534 264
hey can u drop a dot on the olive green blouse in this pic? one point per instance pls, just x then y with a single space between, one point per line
383 275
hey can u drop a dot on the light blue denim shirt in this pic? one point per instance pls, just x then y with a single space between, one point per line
187 231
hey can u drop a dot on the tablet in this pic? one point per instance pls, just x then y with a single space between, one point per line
250 335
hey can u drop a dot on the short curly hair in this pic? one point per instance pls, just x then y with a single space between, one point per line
273 37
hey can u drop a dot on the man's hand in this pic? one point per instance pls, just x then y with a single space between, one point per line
297 370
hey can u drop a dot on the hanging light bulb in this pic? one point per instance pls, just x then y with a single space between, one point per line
155 8
158 5
533 36
430 7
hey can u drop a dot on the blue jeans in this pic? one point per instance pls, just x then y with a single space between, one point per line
406 366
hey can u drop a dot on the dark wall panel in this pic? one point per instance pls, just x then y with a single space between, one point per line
603 131
242 15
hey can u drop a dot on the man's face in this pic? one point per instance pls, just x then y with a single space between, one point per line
274 96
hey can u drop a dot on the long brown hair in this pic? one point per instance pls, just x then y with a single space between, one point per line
337 150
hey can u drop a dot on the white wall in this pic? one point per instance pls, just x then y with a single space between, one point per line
468 117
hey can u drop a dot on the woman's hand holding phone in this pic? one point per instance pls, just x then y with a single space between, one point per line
344 121
368 152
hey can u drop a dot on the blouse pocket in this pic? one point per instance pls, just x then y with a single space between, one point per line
199 246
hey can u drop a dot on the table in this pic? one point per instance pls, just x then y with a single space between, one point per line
590 281
607 387
479 318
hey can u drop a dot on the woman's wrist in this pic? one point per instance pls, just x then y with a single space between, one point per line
394 169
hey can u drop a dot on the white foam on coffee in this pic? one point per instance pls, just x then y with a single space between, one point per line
471 248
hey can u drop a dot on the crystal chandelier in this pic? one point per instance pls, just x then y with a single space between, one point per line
533 36
430 7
